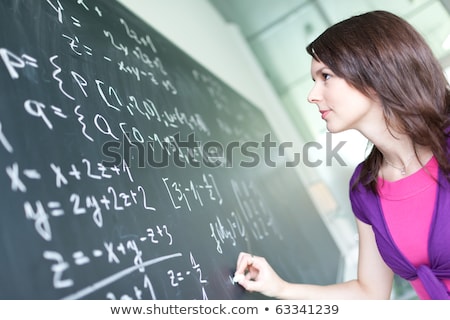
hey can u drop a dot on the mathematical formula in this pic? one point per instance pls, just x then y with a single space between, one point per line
115 220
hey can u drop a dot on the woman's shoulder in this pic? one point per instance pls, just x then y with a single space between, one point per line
361 199
355 175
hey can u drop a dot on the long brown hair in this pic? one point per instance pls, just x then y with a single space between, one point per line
380 52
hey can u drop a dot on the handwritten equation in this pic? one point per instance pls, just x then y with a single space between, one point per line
100 79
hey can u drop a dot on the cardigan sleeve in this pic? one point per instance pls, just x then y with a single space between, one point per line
357 197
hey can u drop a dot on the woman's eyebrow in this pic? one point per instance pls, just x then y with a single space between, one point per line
317 72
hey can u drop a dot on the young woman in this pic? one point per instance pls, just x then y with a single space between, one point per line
375 73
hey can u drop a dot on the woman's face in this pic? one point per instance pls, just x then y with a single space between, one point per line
340 105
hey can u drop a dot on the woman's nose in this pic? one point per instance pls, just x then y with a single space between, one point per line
313 96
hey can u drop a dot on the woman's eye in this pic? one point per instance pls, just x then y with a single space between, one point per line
326 76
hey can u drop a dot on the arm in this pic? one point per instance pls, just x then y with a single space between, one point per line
374 279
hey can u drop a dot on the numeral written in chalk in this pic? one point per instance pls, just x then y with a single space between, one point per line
21 177
176 277
156 234
136 291
112 200
41 213
90 204
122 200
183 194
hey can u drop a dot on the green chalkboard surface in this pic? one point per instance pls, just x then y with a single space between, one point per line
129 171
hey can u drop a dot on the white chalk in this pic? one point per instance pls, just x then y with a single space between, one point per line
238 277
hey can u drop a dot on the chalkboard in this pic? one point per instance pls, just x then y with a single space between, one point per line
129 171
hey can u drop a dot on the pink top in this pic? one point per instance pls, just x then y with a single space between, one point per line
408 206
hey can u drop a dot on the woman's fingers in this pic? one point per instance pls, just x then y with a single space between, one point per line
245 260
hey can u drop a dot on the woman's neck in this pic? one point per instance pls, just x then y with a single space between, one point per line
401 157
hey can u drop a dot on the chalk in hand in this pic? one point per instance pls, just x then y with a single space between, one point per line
238 277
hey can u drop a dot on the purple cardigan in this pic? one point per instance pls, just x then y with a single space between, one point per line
367 207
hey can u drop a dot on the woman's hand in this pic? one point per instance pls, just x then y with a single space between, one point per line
255 274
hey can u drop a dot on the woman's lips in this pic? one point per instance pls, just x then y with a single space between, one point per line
324 113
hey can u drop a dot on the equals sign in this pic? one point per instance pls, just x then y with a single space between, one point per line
55 208
29 60
76 22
